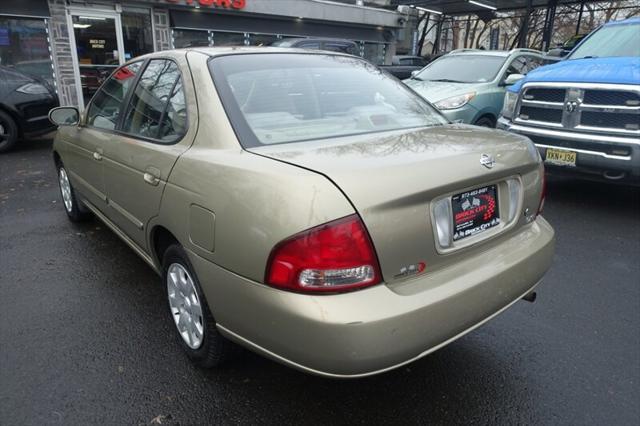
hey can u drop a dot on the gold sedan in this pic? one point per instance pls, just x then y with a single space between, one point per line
305 205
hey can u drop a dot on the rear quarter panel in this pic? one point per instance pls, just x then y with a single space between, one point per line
256 201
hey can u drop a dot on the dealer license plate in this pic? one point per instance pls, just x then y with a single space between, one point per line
561 157
475 211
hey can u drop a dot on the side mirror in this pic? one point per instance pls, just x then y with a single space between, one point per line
64 116
414 73
512 78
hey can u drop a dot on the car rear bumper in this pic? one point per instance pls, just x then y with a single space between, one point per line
609 157
377 329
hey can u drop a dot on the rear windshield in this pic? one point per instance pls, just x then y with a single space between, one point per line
283 98
610 41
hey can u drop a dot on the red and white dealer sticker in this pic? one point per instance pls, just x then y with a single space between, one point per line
475 211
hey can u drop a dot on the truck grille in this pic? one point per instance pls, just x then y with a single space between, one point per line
583 107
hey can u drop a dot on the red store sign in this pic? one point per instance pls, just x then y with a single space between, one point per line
227 4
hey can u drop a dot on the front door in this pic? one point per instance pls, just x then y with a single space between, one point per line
97 49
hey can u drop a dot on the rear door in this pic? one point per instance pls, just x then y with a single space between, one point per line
157 127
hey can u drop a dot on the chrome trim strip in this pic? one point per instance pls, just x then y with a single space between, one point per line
539 123
585 151
136 248
118 208
604 108
544 104
87 185
573 135
608 130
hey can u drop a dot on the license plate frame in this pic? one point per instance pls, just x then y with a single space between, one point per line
561 157
475 211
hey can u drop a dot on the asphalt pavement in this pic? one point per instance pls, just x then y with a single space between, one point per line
85 337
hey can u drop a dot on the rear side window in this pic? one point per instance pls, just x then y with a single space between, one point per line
105 107
158 109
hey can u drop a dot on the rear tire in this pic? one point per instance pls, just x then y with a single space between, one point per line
189 311
8 132
486 122
76 212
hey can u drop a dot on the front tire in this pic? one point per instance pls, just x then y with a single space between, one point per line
197 332
8 132
486 122
76 212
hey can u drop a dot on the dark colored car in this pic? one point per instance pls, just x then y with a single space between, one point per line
25 102
403 65
330 44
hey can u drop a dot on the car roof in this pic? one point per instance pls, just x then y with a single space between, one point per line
240 50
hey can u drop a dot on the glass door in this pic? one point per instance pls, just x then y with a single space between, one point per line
97 49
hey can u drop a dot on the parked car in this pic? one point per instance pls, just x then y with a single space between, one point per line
583 113
403 65
306 205
468 85
25 102
329 44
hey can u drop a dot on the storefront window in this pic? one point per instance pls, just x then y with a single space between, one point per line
136 33
374 52
97 50
190 38
24 47
262 39
228 39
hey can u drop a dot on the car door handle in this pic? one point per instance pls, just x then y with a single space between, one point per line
151 179
97 156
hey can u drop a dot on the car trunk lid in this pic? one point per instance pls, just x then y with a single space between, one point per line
392 178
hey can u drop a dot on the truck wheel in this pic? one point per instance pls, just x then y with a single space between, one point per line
197 332
8 132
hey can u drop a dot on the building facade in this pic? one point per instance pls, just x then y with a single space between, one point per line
76 44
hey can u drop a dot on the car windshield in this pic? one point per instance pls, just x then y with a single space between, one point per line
610 41
463 68
281 98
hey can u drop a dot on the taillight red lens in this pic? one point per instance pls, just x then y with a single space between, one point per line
334 257
543 194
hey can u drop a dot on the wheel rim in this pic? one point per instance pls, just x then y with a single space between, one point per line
185 305
65 189
3 135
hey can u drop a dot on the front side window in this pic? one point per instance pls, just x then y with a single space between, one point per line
462 69
104 110
517 66
157 109
610 41
282 98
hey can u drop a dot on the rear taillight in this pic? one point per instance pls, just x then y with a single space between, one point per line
543 193
334 257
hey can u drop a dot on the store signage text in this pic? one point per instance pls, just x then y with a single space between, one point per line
228 4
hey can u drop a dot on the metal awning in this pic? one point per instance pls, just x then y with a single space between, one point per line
467 7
